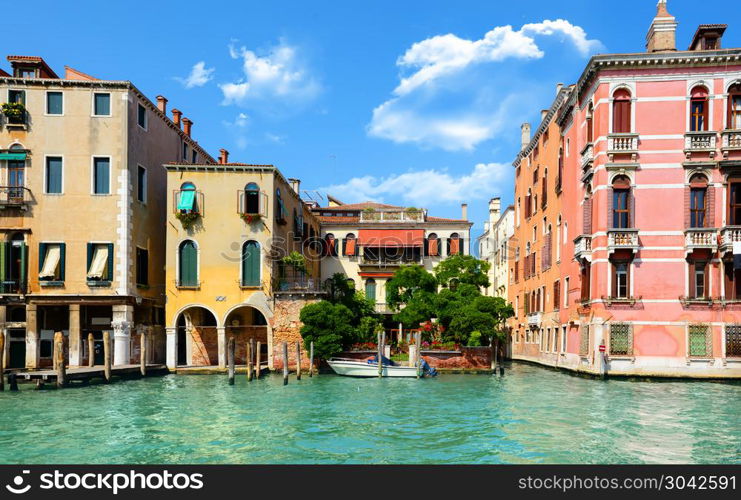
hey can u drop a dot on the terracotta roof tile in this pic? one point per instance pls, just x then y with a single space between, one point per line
361 206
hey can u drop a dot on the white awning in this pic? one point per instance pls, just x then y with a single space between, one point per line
99 262
51 261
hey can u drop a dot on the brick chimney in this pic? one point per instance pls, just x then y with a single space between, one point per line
464 211
176 114
224 157
187 124
661 35
162 104
525 129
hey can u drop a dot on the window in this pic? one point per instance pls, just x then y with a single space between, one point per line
349 245
141 184
17 96
16 179
698 200
621 339
700 341
733 340
432 245
185 151
251 263
141 116
454 244
590 128
566 291
298 223
142 266
734 107
621 198
251 199
699 279
51 262
53 183
732 279
280 208
734 202
101 104
699 109
370 289
563 339
100 262
556 294
101 175
54 103
188 264
620 279
187 198
330 245
621 112
194 156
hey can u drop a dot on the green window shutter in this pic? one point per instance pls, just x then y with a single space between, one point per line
110 262
62 255
187 199
42 255
188 264
251 264
90 249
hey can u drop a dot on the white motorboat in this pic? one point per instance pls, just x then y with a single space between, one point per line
363 368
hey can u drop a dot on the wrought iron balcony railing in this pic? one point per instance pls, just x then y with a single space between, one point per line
14 197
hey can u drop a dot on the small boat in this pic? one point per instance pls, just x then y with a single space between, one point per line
362 368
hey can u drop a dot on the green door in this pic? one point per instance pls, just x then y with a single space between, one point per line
188 264
251 264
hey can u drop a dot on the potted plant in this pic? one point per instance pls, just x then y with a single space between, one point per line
370 213
187 218
14 111
250 218
295 260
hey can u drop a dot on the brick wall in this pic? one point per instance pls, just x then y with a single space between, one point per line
287 327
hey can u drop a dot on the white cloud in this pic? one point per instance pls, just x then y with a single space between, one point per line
426 187
443 65
199 76
280 74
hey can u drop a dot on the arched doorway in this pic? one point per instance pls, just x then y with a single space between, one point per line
197 338
245 323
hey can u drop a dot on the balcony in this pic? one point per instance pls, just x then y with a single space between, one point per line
534 319
625 301
622 239
728 236
407 216
16 115
13 287
730 141
587 156
388 262
14 197
583 247
622 144
700 142
700 238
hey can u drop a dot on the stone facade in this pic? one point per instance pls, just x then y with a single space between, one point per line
286 327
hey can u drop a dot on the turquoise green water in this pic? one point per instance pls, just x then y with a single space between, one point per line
531 415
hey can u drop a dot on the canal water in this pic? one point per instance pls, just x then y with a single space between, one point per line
531 415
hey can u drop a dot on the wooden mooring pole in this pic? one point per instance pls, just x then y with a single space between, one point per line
248 348
311 359
378 356
298 360
230 359
59 359
107 355
12 382
285 363
2 360
258 355
143 354
90 350
419 354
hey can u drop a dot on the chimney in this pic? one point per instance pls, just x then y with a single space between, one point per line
176 114
224 157
661 35
162 104
543 112
495 207
186 126
525 128
464 211
559 86
295 185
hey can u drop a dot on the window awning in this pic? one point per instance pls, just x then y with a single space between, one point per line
51 261
98 264
187 199
12 156
391 237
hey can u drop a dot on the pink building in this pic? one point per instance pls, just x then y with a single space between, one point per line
650 213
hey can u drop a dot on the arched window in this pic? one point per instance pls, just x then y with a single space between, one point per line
454 244
187 198
251 199
698 201
590 125
699 109
622 217
251 263
734 107
621 112
188 264
349 245
370 289
433 245
330 245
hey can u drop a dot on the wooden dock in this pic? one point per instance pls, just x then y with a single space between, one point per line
87 373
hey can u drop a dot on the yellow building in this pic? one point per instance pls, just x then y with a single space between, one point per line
82 207
230 227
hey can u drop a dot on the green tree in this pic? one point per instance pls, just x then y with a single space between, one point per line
408 280
463 269
329 326
341 290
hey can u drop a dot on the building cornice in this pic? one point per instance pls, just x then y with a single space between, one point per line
544 123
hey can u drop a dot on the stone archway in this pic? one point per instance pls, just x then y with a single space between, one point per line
197 337
246 323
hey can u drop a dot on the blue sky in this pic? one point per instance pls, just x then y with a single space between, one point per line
414 102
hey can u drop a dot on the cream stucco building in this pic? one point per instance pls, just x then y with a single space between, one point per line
493 246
